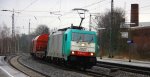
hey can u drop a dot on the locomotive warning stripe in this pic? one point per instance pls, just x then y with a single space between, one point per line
81 53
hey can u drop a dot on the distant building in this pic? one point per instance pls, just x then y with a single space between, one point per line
141 38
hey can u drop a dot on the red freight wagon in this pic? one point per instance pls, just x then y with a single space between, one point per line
39 45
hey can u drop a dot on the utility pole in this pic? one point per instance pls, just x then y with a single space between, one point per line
13 45
13 25
90 22
13 30
111 25
29 37
29 26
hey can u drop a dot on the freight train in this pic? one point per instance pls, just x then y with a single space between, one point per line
73 46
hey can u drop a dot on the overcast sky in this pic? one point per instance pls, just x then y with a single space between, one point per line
38 12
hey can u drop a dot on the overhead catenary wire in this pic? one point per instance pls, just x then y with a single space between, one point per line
141 7
29 5
82 7
34 11
93 4
145 6
65 13
145 2
99 2
93 9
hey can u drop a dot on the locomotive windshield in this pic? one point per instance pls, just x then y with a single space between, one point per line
82 37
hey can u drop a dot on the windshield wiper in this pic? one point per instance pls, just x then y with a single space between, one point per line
78 39
90 40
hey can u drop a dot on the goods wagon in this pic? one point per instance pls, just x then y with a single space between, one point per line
39 45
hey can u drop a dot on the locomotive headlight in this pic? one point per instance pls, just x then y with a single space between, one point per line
92 54
82 44
72 52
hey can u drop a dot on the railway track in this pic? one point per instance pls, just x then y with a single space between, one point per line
89 72
28 71
96 74
34 73
78 70
113 67
133 69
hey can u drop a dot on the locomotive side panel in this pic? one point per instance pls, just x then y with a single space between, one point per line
67 43
55 45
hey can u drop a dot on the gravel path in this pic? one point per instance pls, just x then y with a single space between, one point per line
47 69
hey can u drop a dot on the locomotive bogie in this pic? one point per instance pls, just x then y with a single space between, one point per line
82 61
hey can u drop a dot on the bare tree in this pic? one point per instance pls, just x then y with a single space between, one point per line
5 39
41 29
104 21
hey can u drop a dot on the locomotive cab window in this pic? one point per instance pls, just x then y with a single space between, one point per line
82 37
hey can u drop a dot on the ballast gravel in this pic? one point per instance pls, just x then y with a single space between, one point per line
47 69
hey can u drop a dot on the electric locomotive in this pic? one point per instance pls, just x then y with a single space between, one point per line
74 46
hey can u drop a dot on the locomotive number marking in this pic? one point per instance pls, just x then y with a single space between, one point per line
82 49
